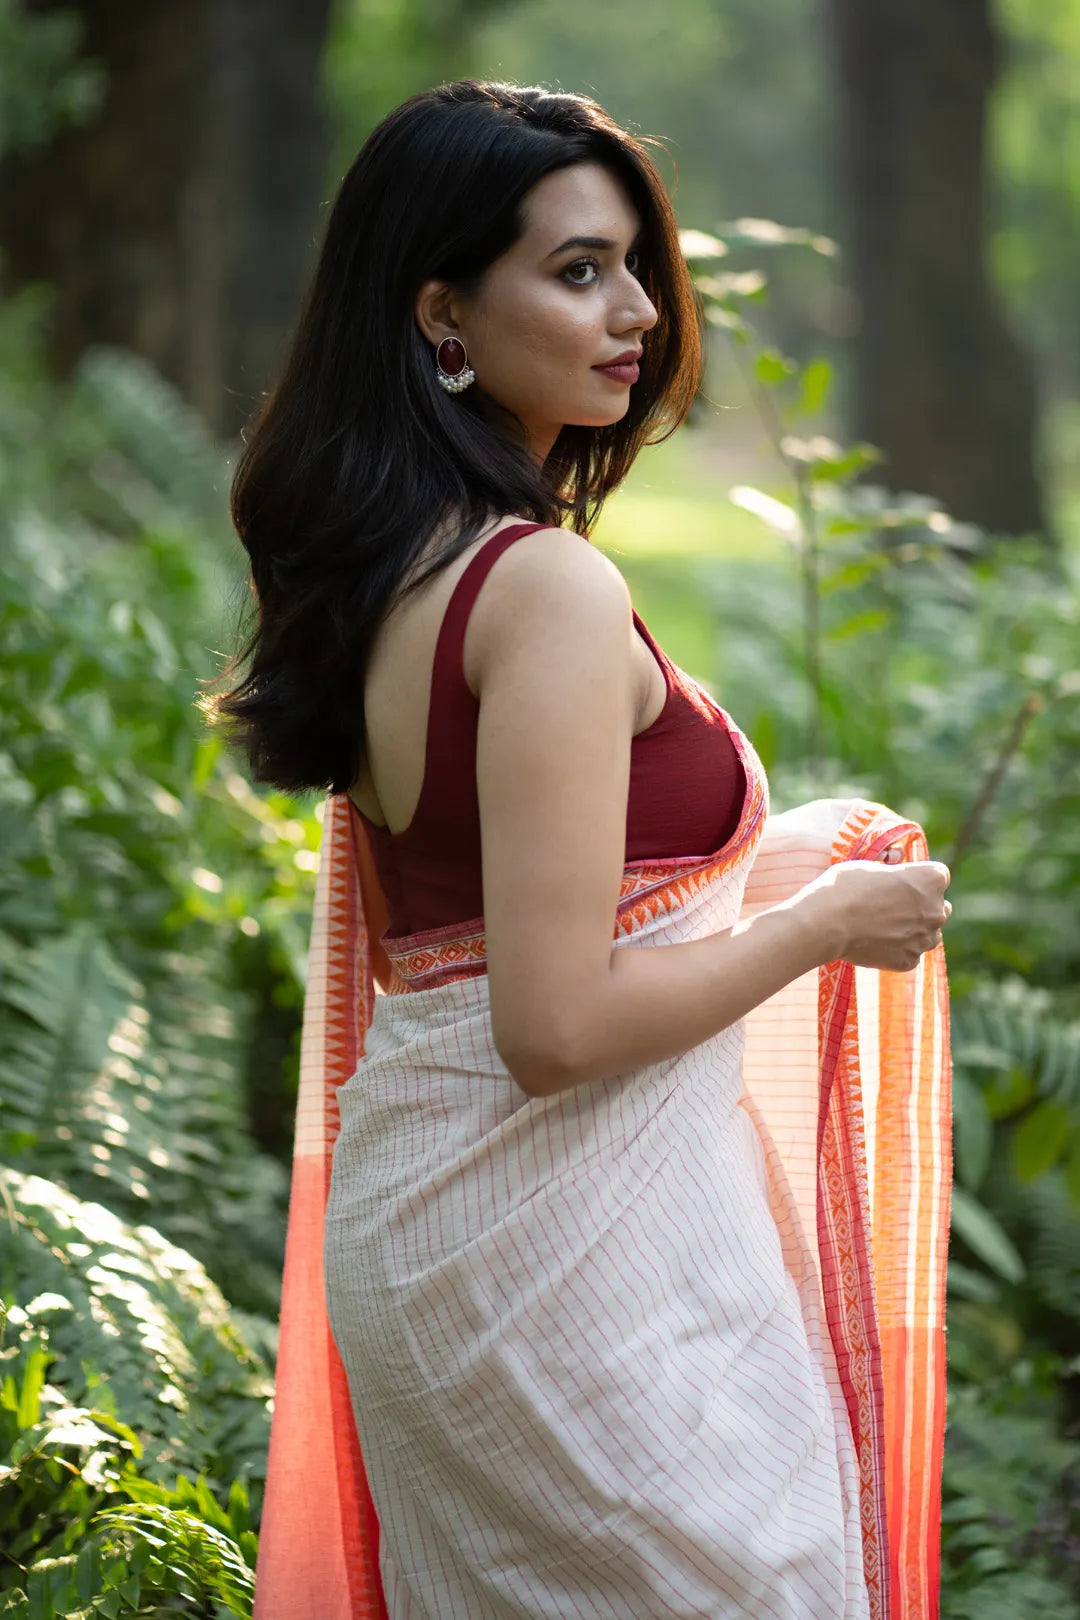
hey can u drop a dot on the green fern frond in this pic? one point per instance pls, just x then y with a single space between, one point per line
134 1328
1008 1034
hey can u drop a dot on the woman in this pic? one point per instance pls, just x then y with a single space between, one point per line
584 1348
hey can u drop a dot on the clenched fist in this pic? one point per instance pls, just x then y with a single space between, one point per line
881 914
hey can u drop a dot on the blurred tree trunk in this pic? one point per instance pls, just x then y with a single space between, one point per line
942 386
181 220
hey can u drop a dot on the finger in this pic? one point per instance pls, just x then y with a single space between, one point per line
939 866
892 855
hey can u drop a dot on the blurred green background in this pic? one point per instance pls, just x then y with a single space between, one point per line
865 542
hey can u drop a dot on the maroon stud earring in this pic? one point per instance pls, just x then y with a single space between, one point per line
453 369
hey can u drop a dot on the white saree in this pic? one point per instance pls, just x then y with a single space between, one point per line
667 1344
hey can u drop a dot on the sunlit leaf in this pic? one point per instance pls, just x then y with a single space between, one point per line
28 1411
773 367
768 233
700 245
781 518
816 382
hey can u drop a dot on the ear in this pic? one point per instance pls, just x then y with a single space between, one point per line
436 311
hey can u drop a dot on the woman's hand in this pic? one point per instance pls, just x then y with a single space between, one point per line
881 914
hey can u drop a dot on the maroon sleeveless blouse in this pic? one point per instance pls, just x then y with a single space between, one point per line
687 783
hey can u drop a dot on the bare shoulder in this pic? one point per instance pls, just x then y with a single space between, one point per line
550 576
558 557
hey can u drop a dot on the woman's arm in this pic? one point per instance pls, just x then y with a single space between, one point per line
552 648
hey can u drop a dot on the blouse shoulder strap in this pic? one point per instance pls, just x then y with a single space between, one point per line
453 706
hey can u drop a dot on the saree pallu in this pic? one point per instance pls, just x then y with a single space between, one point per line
669 1343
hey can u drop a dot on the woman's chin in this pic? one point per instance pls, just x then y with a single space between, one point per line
600 416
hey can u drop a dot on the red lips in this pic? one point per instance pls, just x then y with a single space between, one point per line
624 359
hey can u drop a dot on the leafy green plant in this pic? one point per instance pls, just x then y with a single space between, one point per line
160 1544
127 1380
914 661
144 1559
129 1094
1016 1070
153 922
168 1355
1012 1489
44 83
153 908
61 1461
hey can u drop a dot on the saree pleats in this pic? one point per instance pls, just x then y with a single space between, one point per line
845 1081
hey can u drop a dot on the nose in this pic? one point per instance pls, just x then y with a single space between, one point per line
639 314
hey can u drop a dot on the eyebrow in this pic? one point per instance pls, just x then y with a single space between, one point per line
591 242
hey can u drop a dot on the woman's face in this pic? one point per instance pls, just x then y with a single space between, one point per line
553 308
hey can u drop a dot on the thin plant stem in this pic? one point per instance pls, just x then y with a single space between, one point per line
1031 706
809 549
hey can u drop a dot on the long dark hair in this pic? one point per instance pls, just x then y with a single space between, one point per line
357 456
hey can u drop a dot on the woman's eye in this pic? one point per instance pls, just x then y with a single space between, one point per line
580 264
571 271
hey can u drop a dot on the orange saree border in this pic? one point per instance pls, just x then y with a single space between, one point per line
907 1199
318 1541
883 1235
882 1232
